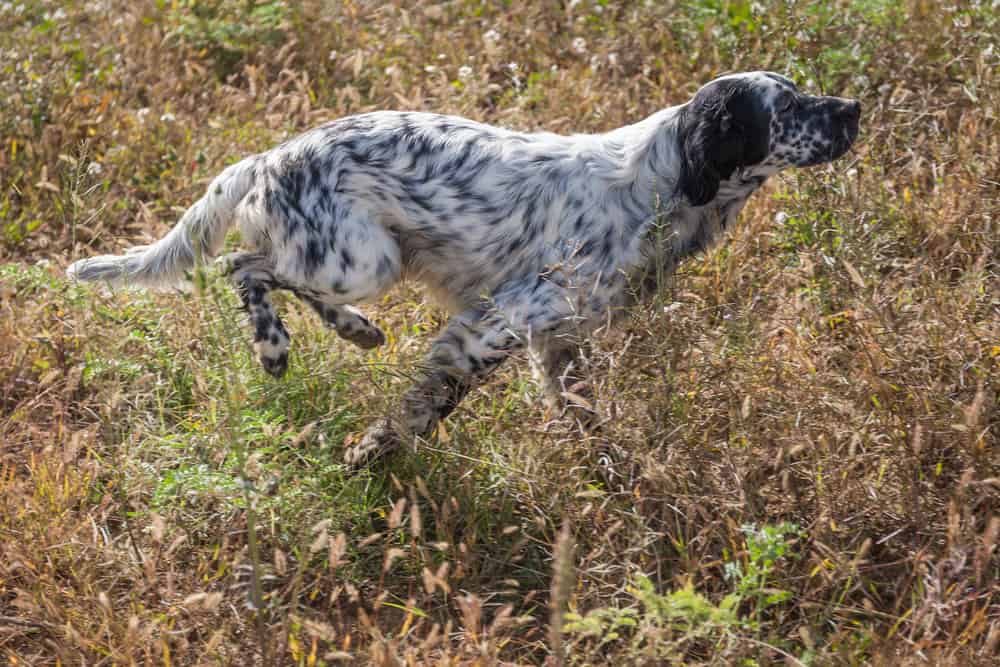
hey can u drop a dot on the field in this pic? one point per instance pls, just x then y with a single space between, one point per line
804 423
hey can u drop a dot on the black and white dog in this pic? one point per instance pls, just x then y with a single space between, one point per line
527 239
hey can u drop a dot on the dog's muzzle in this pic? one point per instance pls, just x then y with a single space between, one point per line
846 117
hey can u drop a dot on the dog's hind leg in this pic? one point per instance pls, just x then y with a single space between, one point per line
349 322
253 275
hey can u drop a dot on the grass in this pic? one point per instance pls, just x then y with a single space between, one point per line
810 409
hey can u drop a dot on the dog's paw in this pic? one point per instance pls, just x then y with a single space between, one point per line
272 352
271 344
379 440
275 366
364 337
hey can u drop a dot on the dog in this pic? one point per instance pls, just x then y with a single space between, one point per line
528 240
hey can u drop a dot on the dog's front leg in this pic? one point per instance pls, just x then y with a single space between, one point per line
471 347
254 278
560 367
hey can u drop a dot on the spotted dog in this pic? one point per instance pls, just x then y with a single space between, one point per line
529 240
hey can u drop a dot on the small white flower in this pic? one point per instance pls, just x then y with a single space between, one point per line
464 72
94 169
598 9
780 218
554 69
580 45
512 67
332 55
390 70
491 35
167 118
441 56
612 59
141 114
430 69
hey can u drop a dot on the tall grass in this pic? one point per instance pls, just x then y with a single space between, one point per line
803 425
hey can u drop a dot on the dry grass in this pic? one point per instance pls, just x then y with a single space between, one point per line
810 410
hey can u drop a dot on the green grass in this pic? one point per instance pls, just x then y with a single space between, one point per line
809 410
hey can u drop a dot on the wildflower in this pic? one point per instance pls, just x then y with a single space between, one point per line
94 169
141 114
464 72
430 69
332 55
512 67
491 36
612 59
167 118
580 45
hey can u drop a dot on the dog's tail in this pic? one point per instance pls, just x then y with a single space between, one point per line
197 238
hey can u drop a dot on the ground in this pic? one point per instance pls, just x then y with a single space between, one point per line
808 413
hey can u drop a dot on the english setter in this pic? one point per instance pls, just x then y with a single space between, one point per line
527 239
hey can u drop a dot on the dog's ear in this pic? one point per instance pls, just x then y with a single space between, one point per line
702 130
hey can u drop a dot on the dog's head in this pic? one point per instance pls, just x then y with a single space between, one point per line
758 123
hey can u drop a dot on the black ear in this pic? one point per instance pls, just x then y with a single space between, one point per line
701 132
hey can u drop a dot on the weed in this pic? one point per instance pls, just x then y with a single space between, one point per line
809 411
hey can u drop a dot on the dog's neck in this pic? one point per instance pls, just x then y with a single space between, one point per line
671 228
652 154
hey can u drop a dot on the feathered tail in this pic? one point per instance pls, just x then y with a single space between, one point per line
197 237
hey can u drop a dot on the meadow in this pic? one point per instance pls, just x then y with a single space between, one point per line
804 423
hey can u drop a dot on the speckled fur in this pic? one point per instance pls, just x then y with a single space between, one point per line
528 239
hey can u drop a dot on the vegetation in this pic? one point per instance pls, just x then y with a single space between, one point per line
808 415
